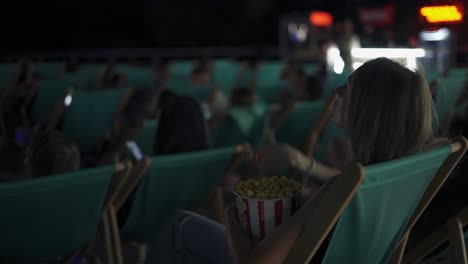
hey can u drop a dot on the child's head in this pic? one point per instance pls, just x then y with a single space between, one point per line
50 152
386 110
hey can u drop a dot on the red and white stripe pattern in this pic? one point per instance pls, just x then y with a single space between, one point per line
260 217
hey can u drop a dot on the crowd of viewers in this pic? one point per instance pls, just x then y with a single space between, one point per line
382 102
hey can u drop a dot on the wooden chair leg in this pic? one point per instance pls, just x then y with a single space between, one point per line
457 242
398 253
107 239
115 235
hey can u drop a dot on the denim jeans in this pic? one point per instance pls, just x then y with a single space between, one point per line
190 238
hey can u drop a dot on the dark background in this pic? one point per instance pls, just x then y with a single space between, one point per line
83 24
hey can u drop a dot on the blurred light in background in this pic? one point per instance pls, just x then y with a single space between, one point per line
408 56
68 100
334 58
321 19
442 13
435 35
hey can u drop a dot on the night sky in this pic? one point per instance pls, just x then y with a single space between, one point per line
76 24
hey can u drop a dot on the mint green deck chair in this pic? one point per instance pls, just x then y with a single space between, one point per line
451 231
49 94
147 138
92 115
331 132
449 90
334 80
174 182
375 225
225 75
297 125
141 77
183 87
181 68
48 69
50 217
311 68
269 73
243 125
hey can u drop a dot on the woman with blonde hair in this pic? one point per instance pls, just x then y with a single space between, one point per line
386 111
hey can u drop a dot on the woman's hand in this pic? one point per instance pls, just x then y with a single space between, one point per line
283 155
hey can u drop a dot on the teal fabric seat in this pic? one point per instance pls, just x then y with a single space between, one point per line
372 224
269 73
147 138
295 129
449 90
334 80
243 125
49 94
48 69
180 68
50 217
183 87
225 75
140 77
90 116
174 182
331 132
274 92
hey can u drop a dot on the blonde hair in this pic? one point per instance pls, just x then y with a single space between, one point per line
388 113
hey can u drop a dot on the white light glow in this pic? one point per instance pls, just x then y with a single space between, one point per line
372 53
411 63
436 35
338 65
68 100
357 65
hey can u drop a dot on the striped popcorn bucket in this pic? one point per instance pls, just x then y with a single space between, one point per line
259 217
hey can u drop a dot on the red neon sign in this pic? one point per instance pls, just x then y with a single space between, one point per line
442 14
321 19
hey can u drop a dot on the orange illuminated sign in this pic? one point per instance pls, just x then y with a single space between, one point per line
321 19
442 14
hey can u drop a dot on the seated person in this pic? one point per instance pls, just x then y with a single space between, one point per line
182 126
49 153
371 119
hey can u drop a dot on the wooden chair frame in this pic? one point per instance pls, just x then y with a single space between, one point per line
334 201
451 231
122 189
459 147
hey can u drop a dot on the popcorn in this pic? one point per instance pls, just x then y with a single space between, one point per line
268 188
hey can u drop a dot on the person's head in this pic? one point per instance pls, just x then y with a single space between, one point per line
182 127
50 152
201 74
386 111
242 96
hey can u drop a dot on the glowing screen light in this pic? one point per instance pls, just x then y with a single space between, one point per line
321 19
68 100
442 13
